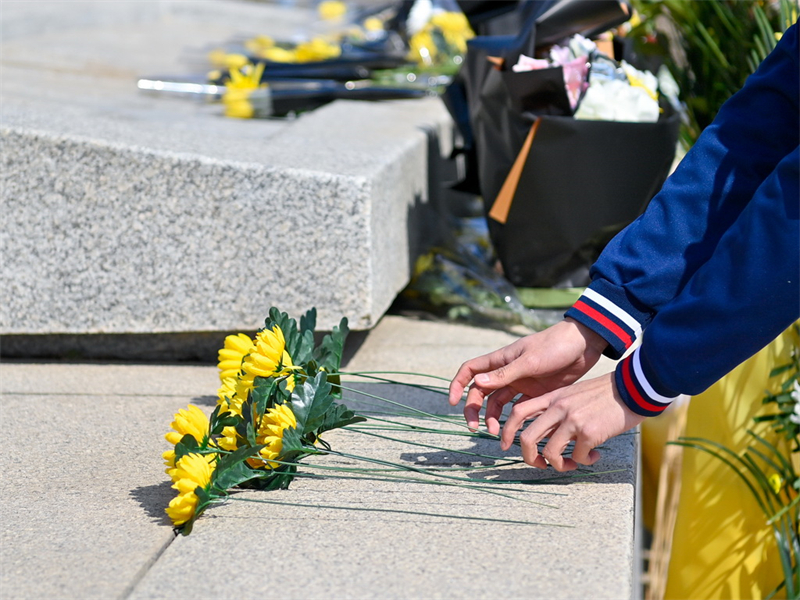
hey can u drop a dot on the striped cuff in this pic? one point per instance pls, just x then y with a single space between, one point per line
635 389
614 324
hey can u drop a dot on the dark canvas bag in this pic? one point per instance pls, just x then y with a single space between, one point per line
576 183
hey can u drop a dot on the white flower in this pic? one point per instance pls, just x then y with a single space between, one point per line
795 418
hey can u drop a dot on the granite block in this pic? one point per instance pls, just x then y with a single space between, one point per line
127 213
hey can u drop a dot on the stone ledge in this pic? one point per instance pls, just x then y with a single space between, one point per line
126 213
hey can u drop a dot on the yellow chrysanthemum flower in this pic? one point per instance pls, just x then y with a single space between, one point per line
317 49
278 54
455 29
190 420
373 24
269 358
243 82
220 58
332 9
422 48
230 357
226 396
259 43
244 383
227 440
270 432
192 471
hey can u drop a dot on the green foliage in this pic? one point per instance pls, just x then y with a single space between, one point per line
769 473
328 354
305 389
710 46
187 445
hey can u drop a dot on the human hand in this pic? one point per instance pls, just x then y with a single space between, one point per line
532 366
588 412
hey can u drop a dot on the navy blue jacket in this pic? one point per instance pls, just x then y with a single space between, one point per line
710 273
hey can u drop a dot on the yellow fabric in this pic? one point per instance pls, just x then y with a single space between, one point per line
722 548
654 435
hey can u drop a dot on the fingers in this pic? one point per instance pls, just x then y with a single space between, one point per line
522 411
468 371
585 413
473 406
584 453
529 440
507 373
495 370
494 408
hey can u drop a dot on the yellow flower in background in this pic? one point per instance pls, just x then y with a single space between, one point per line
278 54
230 357
238 90
775 482
220 58
455 29
452 27
373 24
317 49
270 432
332 9
269 358
259 44
422 48
191 472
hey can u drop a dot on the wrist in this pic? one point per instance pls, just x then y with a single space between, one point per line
593 340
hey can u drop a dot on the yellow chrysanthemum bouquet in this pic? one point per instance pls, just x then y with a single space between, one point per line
280 391
278 394
437 33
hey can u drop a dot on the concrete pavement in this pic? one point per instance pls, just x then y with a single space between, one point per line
84 494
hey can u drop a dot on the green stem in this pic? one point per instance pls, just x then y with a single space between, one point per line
413 410
420 444
363 373
417 469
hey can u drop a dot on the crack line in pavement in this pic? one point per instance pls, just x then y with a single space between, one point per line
146 567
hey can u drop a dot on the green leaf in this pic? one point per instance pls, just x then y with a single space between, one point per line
187 445
204 499
288 327
329 354
294 446
251 434
310 402
338 416
277 479
304 350
234 475
308 322
263 395
232 470
236 457
220 420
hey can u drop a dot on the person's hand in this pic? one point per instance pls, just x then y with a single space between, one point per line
588 413
532 366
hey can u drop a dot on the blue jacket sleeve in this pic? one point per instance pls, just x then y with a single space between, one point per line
650 263
737 302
